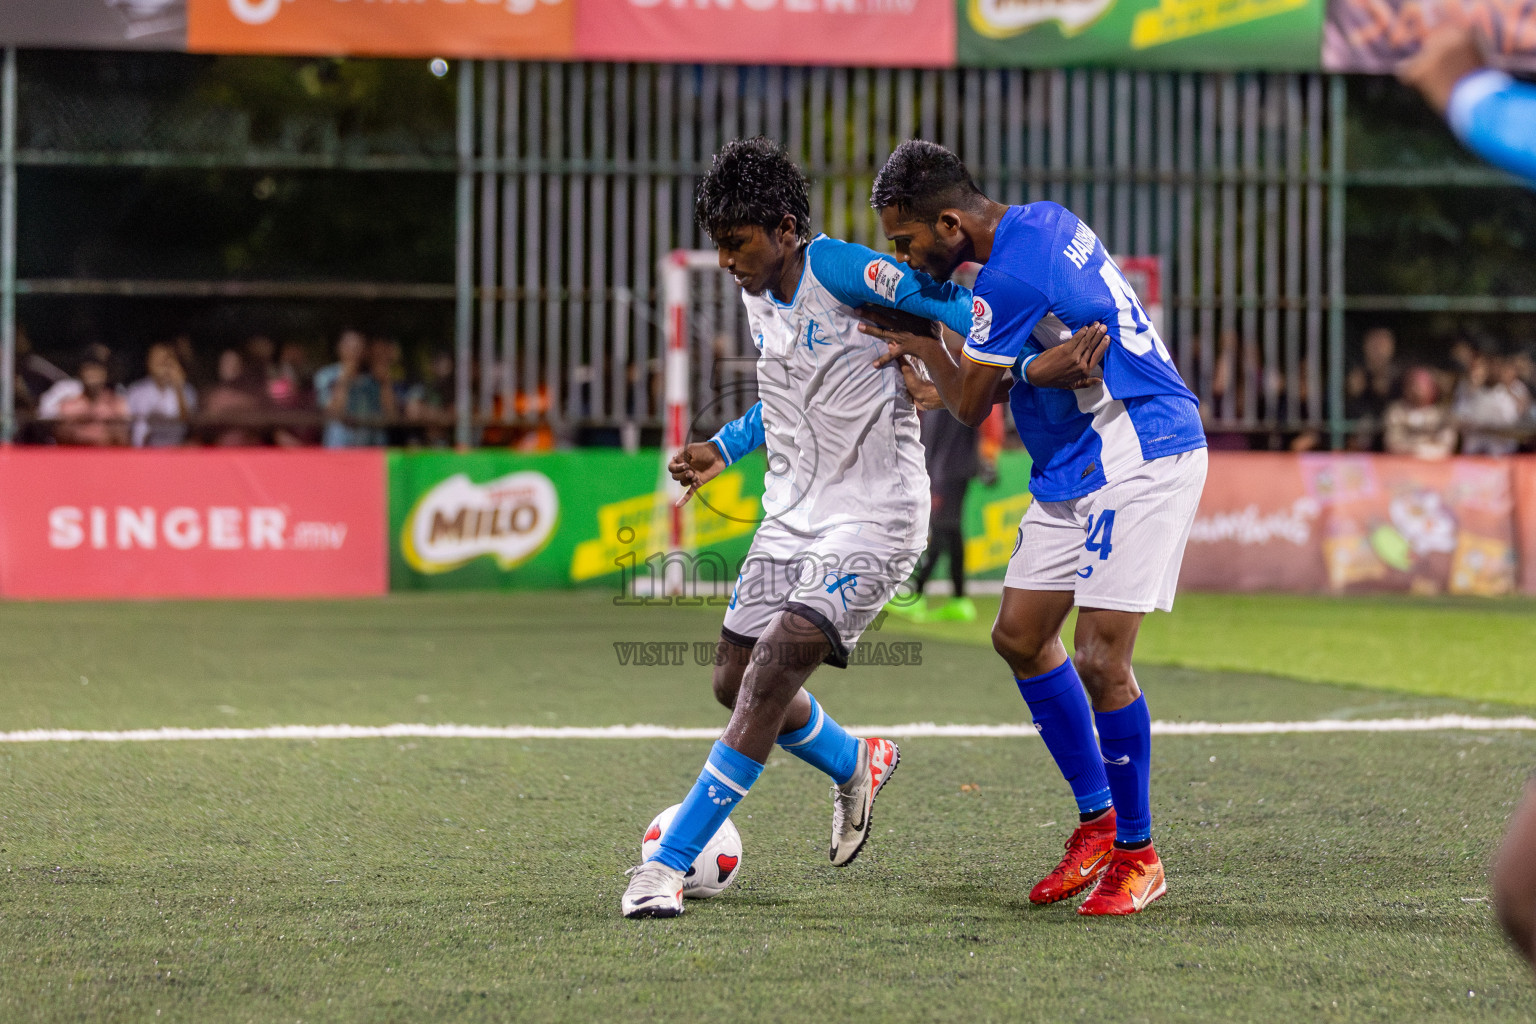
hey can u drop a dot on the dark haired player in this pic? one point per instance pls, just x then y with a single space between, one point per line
845 507
1119 464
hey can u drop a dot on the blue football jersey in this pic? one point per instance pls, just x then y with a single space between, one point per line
1047 276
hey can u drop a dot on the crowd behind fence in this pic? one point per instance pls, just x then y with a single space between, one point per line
575 179
1476 401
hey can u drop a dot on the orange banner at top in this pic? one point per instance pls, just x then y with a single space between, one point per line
384 28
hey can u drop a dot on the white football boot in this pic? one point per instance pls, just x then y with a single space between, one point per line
854 801
655 890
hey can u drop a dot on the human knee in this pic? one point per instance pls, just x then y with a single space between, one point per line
730 664
1019 647
1106 675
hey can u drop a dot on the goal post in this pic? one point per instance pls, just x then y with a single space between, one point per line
675 524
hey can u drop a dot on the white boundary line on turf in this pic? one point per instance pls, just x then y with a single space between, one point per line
660 732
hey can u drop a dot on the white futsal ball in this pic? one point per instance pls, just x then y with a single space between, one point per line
713 869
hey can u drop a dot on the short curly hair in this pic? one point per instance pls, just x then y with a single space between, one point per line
922 179
752 182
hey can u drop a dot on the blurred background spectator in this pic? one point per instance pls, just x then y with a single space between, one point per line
1373 385
1486 403
235 411
356 396
162 403
430 405
94 414
1417 424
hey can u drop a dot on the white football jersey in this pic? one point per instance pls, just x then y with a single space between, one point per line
842 437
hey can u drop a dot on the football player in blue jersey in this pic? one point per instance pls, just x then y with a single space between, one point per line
845 505
1119 463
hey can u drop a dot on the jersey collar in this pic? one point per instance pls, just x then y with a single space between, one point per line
804 267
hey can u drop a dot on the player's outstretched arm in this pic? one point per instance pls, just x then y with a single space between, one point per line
859 276
1494 115
697 464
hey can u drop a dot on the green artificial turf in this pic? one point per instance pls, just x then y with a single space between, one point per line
1312 877
1474 648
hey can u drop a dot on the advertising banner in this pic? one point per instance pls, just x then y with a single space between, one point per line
501 520
95 24
1525 522
1194 35
421 28
1350 524
1375 36
890 33
191 523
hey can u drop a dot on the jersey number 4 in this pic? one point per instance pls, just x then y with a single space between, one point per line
1101 532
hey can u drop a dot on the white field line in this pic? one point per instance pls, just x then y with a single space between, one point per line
661 732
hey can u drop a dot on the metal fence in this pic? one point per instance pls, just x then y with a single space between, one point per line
585 176
575 179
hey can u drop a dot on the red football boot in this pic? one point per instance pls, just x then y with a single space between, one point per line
1086 859
1135 878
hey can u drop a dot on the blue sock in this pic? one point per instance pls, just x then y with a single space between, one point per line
1126 738
1060 709
824 744
726 777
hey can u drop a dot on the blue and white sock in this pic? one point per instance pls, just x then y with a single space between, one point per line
1060 709
723 783
1126 739
825 745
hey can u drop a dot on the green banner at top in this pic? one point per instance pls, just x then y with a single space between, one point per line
1179 35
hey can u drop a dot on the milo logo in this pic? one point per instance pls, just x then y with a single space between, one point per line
511 518
999 19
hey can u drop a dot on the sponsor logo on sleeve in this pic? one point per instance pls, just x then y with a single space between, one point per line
882 278
981 322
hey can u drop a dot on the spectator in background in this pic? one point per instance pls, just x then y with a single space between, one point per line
66 387
260 356
1374 385
161 404
1515 373
1417 424
430 405
355 397
1484 401
292 397
234 413
97 415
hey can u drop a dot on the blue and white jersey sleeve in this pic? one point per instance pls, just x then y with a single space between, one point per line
740 436
856 276
1496 117
1004 312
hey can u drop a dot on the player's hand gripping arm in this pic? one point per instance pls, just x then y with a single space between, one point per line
1076 364
968 388
697 464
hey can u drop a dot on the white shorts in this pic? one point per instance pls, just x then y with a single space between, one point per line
839 580
1118 548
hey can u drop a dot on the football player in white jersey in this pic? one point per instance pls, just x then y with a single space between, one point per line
845 508
1118 467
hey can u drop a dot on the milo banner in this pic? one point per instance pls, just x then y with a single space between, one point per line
495 519
1350 524
1193 35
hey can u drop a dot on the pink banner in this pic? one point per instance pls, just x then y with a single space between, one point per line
191 523
893 33
1356 524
